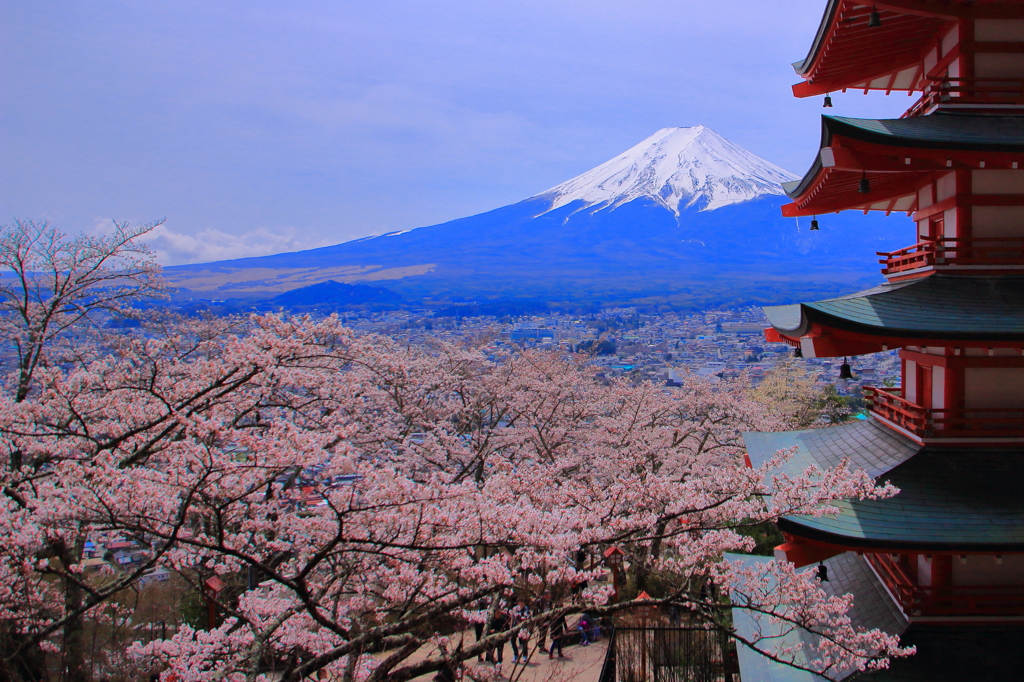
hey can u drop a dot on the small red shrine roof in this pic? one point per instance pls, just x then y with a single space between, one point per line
896 155
849 53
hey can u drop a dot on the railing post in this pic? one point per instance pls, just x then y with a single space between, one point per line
608 669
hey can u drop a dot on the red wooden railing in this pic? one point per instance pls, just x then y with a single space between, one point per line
955 600
890 405
976 91
954 252
979 423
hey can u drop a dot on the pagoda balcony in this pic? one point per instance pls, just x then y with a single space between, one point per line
963 425
976 93
953 600
952 253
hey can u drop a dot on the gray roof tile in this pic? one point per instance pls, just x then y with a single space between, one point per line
949 498
953 653
938 131
940 306
848 574
867 444
954 499
945 653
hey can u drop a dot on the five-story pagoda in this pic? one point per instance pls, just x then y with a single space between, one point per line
942 563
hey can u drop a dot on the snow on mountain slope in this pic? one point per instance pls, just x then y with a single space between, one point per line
678 168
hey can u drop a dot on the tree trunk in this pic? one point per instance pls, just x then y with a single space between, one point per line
74 635
29 666
74 641
640 568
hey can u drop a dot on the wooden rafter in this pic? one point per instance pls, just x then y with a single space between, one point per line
853 54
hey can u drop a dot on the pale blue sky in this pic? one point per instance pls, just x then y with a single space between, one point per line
259 126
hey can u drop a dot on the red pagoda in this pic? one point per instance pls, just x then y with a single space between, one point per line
942 563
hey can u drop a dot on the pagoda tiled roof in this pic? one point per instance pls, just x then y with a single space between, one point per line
950 652
848 573
936 307
941 130
848 52
950 131
950 499
953 653
866 444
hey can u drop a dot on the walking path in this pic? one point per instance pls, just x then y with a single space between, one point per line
581 664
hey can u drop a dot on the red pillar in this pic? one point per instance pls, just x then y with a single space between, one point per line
942 581
954 384
964 215
942 571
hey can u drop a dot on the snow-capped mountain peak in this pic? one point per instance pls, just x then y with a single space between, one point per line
678 168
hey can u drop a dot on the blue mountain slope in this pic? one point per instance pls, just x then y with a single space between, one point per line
639 247
628 229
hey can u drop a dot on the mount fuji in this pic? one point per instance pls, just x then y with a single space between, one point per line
678 169
684 217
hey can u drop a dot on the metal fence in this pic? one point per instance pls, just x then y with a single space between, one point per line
669 655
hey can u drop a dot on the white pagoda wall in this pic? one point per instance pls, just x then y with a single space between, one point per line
983 570
999 30
994 388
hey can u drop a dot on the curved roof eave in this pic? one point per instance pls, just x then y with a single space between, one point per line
945 131
973 308
949 499
864 444
788 319
796 188
804 66
795 526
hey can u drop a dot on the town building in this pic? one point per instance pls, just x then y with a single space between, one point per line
942 562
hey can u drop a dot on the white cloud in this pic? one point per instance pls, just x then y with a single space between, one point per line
211 244
101 227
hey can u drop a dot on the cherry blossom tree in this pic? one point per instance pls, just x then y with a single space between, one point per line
340 500
359 484
790 393
53 288
53 284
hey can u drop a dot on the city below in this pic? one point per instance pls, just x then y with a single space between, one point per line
652 347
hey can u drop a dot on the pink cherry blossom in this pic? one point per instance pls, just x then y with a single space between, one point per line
370 491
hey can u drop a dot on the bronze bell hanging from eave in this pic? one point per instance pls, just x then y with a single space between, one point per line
844 370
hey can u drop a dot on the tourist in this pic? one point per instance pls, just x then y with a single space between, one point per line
520 614
557 632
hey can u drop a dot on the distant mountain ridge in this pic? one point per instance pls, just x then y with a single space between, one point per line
336 294
682 216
